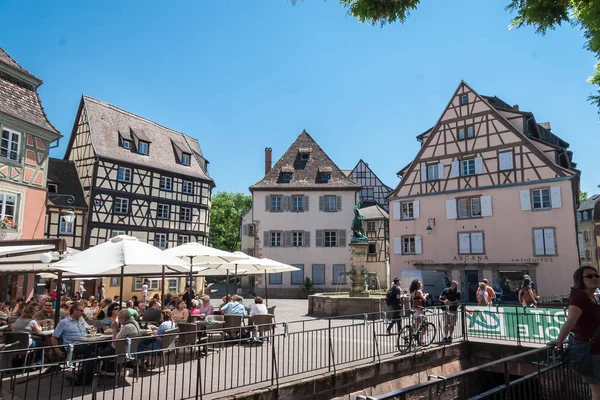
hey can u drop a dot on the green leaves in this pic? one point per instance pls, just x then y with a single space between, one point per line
227 211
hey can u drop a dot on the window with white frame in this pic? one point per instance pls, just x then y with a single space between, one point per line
183 239
8 205
166 183
154 284
467 167
298 203
143 148
163 211
433 172
275 239
371 226
330 239
121 205
185 159
275 203
367 193
408 211
471 243
408 245
544 241
116 233
185 214
47 224
126 144
329 203
10 144
160 240
469 207
188 187
124 174
540 199
297 239
173 285
66 228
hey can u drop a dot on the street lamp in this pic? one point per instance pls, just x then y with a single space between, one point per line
68 214
430 222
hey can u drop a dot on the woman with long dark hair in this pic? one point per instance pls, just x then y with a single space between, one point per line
583 320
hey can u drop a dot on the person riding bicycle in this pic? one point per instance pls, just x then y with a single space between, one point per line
418 299
451 298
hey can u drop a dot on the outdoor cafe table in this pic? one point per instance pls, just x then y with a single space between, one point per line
106 336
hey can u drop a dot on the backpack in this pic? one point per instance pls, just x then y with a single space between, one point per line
390 297
428 301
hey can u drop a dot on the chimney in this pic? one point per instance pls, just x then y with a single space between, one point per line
268 152
516 107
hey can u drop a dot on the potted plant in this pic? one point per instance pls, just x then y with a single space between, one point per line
306 289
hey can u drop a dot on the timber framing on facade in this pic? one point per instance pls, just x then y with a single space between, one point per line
373 190
490 194
139 178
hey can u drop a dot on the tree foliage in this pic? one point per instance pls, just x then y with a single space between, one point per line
583 196
226 215
543 15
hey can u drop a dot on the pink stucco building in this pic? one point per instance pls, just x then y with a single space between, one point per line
490 194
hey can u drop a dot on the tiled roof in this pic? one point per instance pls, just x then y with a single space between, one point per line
5 58
589 203
306 173
106 121
374 212
347 172
64 175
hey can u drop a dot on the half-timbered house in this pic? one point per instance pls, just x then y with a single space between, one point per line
139 178
63 180
588 245
376 224
373 190
491 194
26 138
301 214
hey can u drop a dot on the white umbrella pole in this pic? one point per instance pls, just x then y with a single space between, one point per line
121 288
189 302
266 289
227 283
162 289
236 278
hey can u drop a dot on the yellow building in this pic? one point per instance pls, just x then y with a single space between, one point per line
588 231
133 286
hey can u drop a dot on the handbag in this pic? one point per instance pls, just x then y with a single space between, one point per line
578 354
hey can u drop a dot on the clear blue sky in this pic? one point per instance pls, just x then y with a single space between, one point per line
244 75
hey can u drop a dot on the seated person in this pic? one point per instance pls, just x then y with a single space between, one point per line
225 300
132 311
107 323
5 313
103 308
67 331
93 310
258 308
195 311
156 342
152 314
206 308
234 308
180 313
26 323
46 314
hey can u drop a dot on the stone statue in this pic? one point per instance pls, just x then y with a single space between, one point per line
358 231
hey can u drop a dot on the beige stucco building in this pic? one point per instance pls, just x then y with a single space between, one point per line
490 194
301 215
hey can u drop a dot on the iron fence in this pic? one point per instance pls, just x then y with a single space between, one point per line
245 360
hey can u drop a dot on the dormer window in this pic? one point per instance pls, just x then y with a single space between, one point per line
304 153
325 174
185 159
127 144
143 148
286 177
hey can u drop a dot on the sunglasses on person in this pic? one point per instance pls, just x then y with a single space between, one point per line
591 276
80 310
47 305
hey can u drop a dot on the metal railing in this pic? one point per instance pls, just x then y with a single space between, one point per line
545 377
247 359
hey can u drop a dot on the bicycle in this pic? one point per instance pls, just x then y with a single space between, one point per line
423 335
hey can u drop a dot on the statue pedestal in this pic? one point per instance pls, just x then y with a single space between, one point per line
358 249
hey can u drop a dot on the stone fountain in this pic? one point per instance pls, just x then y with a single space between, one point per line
359 299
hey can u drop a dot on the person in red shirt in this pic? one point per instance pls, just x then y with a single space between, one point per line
583 320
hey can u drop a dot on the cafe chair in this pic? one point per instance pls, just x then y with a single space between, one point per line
265 323
271 310
233 326
120 359
20 341
168 345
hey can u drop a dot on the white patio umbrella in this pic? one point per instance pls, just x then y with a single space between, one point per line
119 256
198 253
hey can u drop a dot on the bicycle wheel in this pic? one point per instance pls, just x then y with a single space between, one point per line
427 334
404 339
